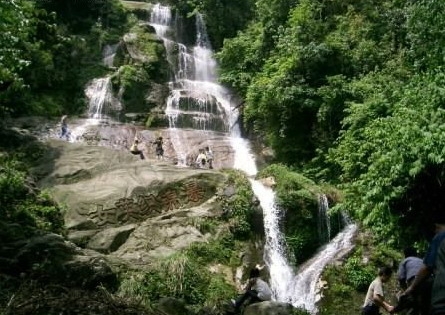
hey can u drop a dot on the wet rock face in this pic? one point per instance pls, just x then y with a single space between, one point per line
180 145
116 203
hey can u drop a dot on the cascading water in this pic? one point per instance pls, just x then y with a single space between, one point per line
304 287
324 223
101 101
98 93
274 249
108 53
197 101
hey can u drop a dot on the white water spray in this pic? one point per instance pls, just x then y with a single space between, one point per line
324 222
108 53
304 289
195 99
98 92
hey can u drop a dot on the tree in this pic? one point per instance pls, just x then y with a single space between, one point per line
14 31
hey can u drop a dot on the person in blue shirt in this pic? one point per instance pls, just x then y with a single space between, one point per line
433 263
64 133
409 267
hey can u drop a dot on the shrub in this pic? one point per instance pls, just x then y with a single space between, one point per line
239 207
177 276
359 275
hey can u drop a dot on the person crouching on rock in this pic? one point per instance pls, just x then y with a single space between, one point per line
257 290
209 157
201 160
135 150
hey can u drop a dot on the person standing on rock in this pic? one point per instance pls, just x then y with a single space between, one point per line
375 297
257 290
159 149
135 150
209 157
64 128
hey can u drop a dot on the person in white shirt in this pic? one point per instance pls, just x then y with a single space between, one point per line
201 159
135 150
375 297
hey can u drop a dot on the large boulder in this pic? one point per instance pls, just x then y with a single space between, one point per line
116 203
269 308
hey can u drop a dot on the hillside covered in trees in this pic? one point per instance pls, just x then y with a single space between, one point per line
349 93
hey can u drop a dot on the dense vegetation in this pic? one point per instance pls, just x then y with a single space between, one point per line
40 43
349 93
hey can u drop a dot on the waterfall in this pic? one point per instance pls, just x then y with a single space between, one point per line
274 249
108 53
98 93
324 223
197 101
304 290
100 100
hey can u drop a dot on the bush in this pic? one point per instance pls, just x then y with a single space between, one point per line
358 275
177 276
12 187
239 207
23 209
219 251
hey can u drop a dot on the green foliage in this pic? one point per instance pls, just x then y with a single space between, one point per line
153 50
425 34
297 197
22 207
239 207
179 276
223 18
299 311
218 250
206 225
134 81
241 57
380 157
37 76
219 292
339 296
14 30
12 186
358 275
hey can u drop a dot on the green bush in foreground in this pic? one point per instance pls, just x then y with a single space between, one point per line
24 209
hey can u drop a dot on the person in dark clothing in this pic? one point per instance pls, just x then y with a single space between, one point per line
135 150
257 290
209 157
433 263
159 149
64 128
406 274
